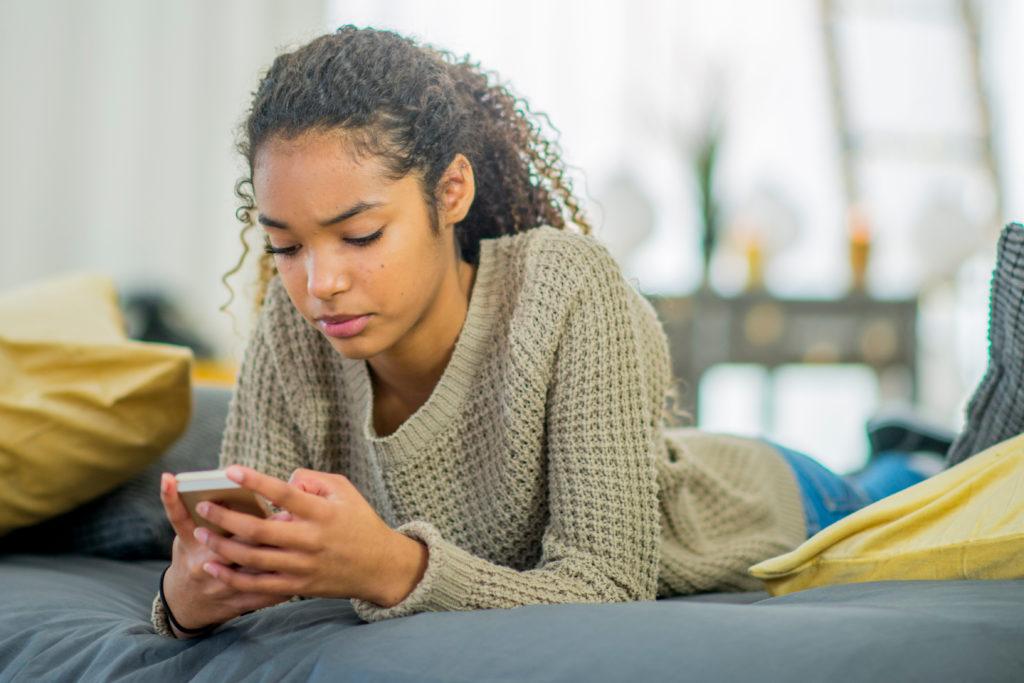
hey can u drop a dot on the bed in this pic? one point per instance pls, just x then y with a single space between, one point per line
68 613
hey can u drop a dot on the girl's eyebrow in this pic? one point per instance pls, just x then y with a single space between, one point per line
354 210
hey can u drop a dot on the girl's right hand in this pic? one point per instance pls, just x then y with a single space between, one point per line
195 597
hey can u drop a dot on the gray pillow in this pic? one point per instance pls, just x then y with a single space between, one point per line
995 411
129 523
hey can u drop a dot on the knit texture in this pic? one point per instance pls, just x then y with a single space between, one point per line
540 469
995 411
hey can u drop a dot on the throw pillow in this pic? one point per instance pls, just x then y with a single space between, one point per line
966 522
129 523
82 408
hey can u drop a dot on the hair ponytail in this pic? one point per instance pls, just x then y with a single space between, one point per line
519 174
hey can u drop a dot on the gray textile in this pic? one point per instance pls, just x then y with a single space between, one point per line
995 411
78 618
129 522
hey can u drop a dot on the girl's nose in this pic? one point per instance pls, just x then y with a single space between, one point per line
326 276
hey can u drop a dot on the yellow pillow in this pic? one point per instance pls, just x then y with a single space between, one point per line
82 408
967 522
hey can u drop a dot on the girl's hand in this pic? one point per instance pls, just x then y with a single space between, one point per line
335 546
195 597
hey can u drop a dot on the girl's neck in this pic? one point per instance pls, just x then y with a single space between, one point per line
404 376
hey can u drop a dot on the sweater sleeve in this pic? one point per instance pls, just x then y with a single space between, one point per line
601 543
258 432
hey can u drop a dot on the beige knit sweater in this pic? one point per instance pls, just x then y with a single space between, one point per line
540 470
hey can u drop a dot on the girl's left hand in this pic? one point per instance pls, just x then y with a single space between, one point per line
335 545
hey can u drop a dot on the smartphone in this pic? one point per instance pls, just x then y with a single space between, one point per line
214 486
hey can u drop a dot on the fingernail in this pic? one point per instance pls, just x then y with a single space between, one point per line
234 474
200 533
164 484
203 508
209 568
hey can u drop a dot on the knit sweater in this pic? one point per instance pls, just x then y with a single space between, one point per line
540 469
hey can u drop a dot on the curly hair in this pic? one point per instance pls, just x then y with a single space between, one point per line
415 107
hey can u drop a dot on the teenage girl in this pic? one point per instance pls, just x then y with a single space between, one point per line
452 397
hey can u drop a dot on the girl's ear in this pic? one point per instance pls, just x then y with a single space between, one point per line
457 190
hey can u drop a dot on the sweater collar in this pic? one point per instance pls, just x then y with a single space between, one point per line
419 429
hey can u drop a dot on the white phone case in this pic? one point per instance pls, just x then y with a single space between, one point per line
213 485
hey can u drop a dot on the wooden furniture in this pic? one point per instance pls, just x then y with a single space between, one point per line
706 329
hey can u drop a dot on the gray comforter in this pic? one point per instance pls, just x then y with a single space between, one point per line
74 617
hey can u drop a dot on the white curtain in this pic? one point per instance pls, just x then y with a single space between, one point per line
116 140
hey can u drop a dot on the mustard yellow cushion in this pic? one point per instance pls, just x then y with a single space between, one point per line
82 408
967 522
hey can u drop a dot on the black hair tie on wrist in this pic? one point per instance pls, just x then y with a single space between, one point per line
170 616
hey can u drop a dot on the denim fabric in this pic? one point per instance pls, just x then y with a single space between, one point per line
828 497
887 473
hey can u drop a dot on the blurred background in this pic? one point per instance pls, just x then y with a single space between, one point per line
809 191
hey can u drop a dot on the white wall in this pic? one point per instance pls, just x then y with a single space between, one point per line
116 139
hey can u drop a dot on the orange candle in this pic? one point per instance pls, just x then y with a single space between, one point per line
755 262
860 247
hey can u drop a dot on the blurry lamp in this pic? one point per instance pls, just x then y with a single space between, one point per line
765 226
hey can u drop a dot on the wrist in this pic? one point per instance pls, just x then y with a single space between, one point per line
179 630
405 568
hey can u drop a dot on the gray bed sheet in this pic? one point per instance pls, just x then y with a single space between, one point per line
79 618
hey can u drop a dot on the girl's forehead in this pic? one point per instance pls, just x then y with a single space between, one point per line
311 167
323 152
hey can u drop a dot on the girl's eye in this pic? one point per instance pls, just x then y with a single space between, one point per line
284 251
289 251
363 241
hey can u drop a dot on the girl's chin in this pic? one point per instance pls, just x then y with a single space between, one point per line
354 348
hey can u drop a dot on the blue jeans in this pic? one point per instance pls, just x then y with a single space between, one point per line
828 497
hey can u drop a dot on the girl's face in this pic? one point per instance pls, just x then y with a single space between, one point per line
350 241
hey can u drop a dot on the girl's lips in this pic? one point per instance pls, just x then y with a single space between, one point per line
349 328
